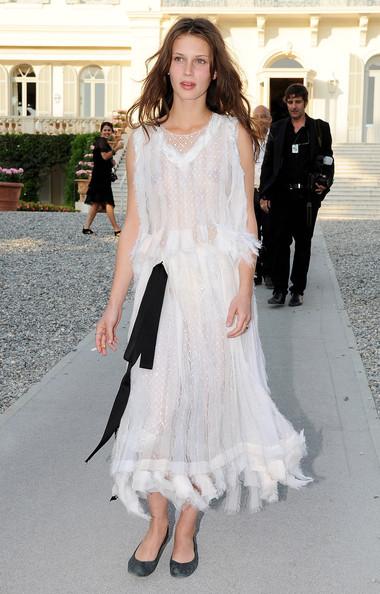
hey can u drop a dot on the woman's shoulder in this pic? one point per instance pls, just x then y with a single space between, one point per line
231 126
143 131
140 137
227 122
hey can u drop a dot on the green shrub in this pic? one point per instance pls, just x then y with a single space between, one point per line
36 154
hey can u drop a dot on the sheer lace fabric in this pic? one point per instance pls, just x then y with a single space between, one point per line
201 423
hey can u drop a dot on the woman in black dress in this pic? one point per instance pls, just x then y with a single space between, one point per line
99 194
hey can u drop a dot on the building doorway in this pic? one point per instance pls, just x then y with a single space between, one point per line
279 72
277 88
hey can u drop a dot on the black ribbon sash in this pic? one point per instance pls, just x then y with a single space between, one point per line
142 342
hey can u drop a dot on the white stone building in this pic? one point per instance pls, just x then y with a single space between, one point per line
67 64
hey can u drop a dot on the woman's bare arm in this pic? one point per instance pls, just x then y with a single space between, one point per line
106 155
106 327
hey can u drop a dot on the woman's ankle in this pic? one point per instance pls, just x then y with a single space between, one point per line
159 523
187 522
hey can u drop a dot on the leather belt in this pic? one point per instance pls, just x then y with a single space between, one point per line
142 342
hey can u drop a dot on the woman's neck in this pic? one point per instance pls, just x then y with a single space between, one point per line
184 119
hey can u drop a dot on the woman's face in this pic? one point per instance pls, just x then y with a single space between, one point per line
190 67
106 132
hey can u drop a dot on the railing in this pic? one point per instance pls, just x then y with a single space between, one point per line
48 125
269 3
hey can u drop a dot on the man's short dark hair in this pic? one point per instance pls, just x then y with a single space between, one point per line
297 90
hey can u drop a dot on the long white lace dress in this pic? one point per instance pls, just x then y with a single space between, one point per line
201 423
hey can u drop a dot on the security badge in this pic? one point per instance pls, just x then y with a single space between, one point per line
295 148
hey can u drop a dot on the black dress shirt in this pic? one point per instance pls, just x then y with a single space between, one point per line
296 157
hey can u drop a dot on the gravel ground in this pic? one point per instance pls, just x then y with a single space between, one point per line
54 283
354 248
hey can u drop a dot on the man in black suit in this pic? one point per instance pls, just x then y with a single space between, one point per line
296 175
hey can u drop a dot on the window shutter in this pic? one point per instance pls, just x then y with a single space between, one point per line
70 91
113 83
3 91
44 101
355 99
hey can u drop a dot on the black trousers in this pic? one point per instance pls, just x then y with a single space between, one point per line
292 221
264 262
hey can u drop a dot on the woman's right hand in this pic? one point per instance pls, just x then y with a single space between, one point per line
105 334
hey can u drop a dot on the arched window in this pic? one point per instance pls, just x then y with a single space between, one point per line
24 84
372 104
285 63
92 92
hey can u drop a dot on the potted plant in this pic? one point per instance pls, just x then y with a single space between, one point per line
83 175
10 187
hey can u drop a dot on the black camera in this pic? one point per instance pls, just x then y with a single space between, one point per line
323 172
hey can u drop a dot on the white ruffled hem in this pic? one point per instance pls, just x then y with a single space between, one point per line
161 245
258 470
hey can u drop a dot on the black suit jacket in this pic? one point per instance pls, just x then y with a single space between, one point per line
274 152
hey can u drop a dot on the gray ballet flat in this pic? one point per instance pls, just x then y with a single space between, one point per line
185 569
145 568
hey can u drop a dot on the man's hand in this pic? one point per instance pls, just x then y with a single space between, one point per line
265 205
319 188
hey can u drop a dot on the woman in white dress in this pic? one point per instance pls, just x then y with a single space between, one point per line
200 424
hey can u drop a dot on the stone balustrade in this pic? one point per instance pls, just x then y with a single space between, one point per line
48 125
269 3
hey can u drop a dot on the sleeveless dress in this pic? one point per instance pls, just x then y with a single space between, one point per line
99 189
200 425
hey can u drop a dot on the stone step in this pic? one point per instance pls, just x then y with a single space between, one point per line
340 187
356 183
356 189
349 206
361 146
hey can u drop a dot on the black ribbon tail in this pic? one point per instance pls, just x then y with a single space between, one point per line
117 411
142 342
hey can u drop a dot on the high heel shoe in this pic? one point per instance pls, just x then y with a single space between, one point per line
87 231
185 569
145 568
117 233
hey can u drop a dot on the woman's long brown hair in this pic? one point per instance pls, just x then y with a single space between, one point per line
224 95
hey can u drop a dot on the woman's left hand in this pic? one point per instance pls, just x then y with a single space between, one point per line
240 309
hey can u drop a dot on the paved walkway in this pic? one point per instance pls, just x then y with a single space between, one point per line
59 534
